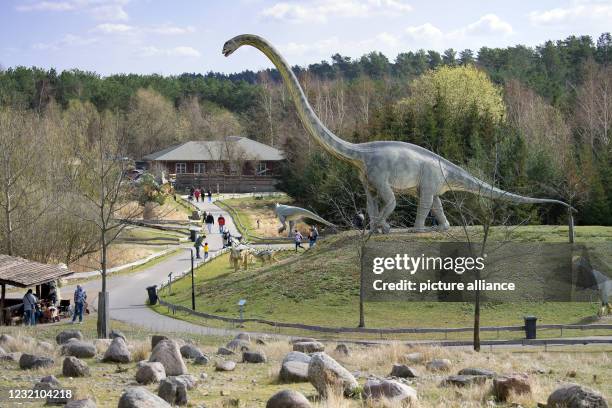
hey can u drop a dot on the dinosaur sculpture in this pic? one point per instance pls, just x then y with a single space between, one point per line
293 215
597 280
385 167
265 255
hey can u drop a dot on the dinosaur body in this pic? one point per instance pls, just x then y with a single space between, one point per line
291 214
385 167
265 256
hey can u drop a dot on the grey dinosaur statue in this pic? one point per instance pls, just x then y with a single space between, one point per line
385 167
291 214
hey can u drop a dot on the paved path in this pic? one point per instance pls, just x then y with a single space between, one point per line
128 292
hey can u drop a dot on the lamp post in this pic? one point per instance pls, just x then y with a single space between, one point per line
192 282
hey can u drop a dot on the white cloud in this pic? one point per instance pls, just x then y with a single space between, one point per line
69 40
166 29
489 24
424 32
584 10
109 10
321 10
181 51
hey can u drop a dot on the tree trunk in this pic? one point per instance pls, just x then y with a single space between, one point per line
9 222
103 318
361 289
477 321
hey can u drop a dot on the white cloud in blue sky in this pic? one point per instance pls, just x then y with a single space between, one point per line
171 37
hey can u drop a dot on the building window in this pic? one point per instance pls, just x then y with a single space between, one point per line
180 168
199 168
262 168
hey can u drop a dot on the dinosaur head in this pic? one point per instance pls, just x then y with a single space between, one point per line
233 44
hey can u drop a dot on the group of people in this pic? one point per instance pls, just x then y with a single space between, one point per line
209 220
34 309
313 235
198 193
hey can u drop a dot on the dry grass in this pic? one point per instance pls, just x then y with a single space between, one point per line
250 385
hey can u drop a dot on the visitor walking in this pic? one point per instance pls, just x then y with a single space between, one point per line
198 245
80 296
313 234
298 240
209 194
206 250
197 194
191 192
29 308
210 220
221 222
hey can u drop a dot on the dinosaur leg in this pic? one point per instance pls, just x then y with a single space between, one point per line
283 224
387 198
438 212
291 228
372 207
426 199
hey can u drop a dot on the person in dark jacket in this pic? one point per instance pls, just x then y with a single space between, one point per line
210 220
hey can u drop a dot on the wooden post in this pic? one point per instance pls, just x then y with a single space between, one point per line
3 320
570 220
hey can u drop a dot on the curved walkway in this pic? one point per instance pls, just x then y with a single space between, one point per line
128 292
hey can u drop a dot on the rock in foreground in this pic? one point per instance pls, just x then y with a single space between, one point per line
140 397
294 367
288 399
575 396
148 372
167 353
324 373
30 362
393 391
66 335
517 383
117 352
73 367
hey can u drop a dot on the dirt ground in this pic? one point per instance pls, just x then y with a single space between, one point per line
118 254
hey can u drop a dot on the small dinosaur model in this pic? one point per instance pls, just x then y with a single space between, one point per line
385 167
288 213
265 255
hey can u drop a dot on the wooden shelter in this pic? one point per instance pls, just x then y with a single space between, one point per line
24 273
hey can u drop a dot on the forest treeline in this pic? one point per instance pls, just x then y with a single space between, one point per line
532 120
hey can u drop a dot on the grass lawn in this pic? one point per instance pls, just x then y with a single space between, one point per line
321 287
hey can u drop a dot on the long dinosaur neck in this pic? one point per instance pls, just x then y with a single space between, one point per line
329 141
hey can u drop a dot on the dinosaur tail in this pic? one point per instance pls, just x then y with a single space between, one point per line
315 217
481 188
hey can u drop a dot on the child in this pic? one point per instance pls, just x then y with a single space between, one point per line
206 250
298 240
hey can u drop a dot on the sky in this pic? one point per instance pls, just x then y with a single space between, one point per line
172 37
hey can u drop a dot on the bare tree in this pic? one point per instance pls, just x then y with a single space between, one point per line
100 188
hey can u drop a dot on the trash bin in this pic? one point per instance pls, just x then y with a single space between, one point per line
530 327
152 291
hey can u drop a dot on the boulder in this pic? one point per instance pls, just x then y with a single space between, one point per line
439 364
117 333
238 345
324 372
77 348
288 399
174 389
342 349
73 367
478 371
6 339
156 338
308 347
117 352
225 351
225 365
254 357
463 380
415 358
201 360
575 396
190 351
517 383
140 397
10 356
82 403
167 353
294 367
49 383
148 372
390 390
66 335
403 371
30 361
